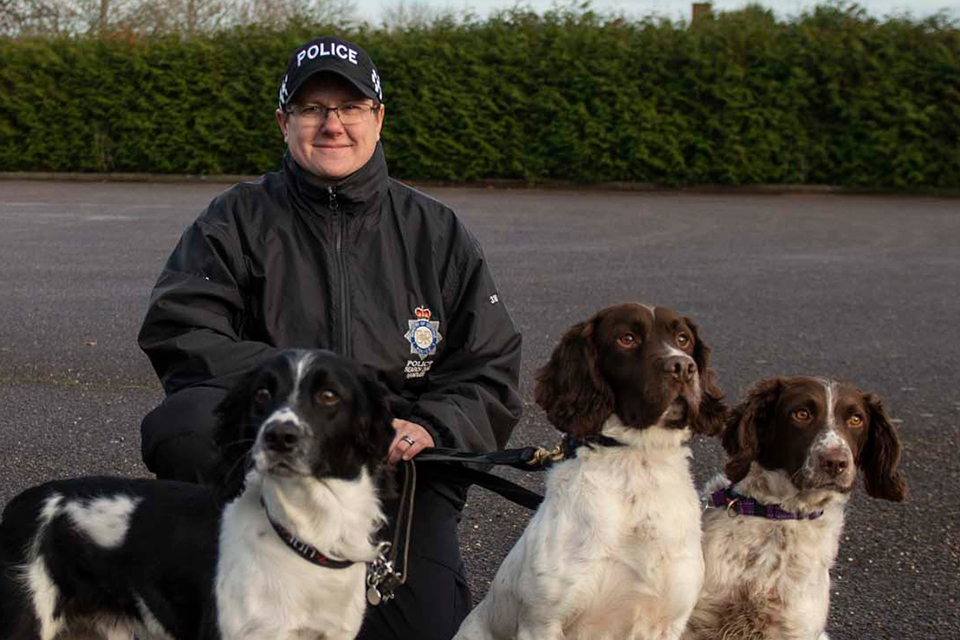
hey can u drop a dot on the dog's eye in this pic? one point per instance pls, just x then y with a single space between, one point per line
327 396
855 421
262 396
801 415
683 340
628 341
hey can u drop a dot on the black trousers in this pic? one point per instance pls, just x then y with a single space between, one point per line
177 444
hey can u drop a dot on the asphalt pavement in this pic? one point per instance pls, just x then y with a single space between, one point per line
862 288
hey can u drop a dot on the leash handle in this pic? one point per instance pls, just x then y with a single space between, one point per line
389 570
459 474
524 458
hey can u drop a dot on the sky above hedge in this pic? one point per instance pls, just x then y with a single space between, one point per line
374 10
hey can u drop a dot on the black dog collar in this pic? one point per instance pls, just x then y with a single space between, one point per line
571 443
304 550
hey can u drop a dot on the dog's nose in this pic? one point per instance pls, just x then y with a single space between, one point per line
682 368
833 463
282 435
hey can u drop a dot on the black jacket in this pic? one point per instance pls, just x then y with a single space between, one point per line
363 268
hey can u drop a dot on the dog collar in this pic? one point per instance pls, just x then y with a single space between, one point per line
302 549
737 504
572 443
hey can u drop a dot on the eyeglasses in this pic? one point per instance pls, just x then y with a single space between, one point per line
350 113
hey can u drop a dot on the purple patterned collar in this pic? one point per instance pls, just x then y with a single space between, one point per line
736 504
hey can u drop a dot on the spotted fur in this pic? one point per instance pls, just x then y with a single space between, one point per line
797 443
613 553
306 435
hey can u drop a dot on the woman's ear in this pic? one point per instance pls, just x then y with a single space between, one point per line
282 122
570 388
745 425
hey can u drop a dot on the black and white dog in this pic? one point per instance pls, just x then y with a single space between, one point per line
303 442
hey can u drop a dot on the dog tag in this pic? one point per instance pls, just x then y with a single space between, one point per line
373 596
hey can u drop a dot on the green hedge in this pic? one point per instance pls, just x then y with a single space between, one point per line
831 97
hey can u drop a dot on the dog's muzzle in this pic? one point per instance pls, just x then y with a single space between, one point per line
281 436
279 448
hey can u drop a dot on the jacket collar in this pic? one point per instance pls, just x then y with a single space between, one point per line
359 193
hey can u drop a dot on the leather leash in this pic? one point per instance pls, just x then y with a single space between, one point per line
389 570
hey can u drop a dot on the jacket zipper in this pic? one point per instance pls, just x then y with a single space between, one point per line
342 274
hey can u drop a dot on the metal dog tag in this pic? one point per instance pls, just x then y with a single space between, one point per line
381 577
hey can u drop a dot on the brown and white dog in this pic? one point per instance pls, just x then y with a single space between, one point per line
795 446
613 553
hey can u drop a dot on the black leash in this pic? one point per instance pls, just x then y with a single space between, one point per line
389 570
445 464
525 458
455 473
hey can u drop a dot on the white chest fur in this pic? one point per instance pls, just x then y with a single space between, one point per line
766 578
265 591
612 553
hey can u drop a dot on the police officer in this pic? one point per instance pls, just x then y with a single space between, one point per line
330 252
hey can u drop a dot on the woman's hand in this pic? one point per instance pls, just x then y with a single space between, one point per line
410 440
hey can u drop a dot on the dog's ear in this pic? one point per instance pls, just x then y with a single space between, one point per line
880 456
570 388
233 438
375 431
747 420
712 412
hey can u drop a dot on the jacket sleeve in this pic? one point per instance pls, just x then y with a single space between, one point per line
473 401
192 329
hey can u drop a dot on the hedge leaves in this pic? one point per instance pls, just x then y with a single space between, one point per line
831 97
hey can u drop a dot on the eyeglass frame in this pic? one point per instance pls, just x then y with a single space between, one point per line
297 110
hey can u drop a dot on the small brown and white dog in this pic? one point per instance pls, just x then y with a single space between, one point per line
613 553
772 530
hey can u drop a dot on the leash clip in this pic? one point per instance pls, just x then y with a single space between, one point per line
546 457
382 579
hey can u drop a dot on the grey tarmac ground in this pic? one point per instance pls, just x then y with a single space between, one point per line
865 288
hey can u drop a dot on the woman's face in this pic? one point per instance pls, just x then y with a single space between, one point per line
328 148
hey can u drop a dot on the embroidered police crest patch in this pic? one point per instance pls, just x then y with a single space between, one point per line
424 333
